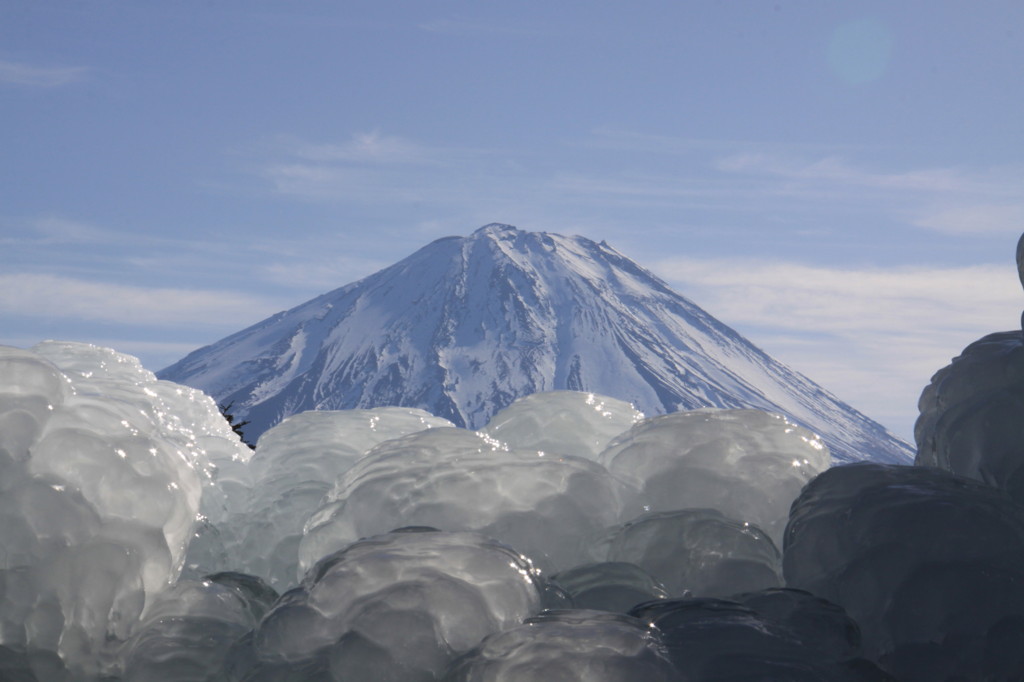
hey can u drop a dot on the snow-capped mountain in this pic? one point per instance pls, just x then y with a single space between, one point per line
466 325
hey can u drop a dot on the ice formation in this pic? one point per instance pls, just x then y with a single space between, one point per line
699 552
930 565
562 422
551 508
399 606
189 630
102 471
972 414
749 465
295 465
718 639
609 586
569 646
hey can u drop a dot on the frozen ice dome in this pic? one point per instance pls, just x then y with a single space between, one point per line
551 508
100 487
189 630
748 464
295 465
562 422
972 414
699 552
930 565
818 623
609 586
718 639
399 606
569 646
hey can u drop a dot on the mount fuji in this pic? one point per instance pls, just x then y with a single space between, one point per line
466 325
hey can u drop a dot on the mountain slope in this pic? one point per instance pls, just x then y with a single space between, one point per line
464 326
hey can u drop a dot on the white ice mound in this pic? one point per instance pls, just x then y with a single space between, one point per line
569 646
398 606
101 472
930 565
563 422
295 465
699 552
972 414
748 464
551 508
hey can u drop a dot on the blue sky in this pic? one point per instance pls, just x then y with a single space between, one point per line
842 182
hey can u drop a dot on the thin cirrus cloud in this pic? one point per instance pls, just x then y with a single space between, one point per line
373 167
974 219
872 336
948 200
807 298
371 147
19 73
54 296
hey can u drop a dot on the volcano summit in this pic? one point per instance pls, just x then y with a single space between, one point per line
466 325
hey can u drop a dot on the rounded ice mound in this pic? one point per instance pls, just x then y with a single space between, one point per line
972 414
569 646
609 586
930 565
748 464
295 465
700 552
818 623
562 422
321 445
399 606
32 388
100 486
718 639
551 508
188 632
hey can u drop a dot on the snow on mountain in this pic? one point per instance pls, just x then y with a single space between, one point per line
466 325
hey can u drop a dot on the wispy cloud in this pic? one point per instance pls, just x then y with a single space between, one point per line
371 147
833 169
320 276
872 336
957 201
18 73
974 219
375 167
54 296
55 229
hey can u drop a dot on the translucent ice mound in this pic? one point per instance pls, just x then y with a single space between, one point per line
551 508
562 422
609 586
748 464
399 606
295 465
102 469
930 565
972 414
569 646
189 631
699 552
